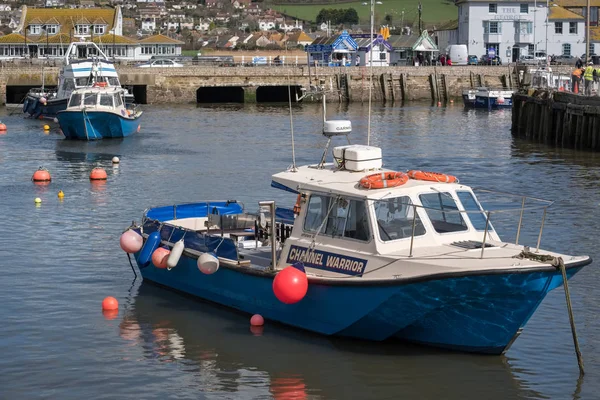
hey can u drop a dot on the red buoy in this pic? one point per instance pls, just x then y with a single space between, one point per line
160 257
41 175
2 128
98 174
110 303
291 284
257 320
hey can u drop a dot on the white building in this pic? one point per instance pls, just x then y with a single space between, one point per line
515 29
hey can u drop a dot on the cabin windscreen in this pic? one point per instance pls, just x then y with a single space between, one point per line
90 99
106 100
395 219
442 211
470 204
337 217
75 100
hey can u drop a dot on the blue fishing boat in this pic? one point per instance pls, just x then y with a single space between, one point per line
487 99
365 253
98 112
94 67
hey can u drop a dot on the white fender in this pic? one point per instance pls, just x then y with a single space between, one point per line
175 255
208 263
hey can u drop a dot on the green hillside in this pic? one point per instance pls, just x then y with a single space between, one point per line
434 12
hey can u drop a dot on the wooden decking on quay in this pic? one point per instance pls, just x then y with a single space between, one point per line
557 118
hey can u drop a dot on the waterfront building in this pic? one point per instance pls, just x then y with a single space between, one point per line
47 33
516 29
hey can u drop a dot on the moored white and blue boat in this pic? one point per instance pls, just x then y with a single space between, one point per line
366 253
76 73
98 113
488 99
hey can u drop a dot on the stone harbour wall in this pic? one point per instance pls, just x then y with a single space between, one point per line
180 85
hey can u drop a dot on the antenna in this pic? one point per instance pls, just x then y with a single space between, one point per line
294 169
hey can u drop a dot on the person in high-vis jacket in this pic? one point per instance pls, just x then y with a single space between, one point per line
588 76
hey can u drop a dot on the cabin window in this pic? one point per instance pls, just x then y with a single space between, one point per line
82 81
395 219
75 100
118 101
442 211
470 204
68 85
90 99
113 81
106 100
337 217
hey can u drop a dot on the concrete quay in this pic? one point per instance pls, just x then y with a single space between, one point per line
201 84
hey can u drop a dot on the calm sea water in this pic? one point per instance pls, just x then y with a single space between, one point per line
59 260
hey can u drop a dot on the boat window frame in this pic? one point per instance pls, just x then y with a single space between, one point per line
452 193
71 99
118 100
416 205
111 96
490 228
87 95
335 197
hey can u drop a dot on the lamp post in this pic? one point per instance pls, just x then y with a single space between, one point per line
534 18
547 52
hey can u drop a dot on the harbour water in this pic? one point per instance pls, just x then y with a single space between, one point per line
62 258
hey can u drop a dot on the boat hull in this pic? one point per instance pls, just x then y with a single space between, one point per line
478 313
35 109
93 125
490 102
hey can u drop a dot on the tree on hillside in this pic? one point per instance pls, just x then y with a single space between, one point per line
338 16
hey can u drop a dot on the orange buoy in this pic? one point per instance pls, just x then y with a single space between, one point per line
431 176
98 174
41 175
2 127
110 303
382 180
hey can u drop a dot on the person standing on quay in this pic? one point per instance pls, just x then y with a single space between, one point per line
589 78
576 79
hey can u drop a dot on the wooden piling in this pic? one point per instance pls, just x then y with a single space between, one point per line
558 118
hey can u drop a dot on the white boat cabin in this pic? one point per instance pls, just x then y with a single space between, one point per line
98 98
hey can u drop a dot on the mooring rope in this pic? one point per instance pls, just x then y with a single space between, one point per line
559 264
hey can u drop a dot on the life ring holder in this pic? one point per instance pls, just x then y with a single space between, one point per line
431 176
383 180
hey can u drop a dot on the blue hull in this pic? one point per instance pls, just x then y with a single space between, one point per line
478 313
490 103
93 125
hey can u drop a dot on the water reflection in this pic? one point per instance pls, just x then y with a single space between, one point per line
291 364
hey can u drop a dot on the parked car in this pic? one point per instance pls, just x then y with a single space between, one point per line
473 60
563 60
487 60
528 60
160 64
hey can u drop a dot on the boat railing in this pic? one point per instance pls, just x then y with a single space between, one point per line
541 204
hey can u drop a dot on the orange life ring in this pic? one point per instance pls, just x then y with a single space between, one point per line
384 180
297 205
99 84
431 176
